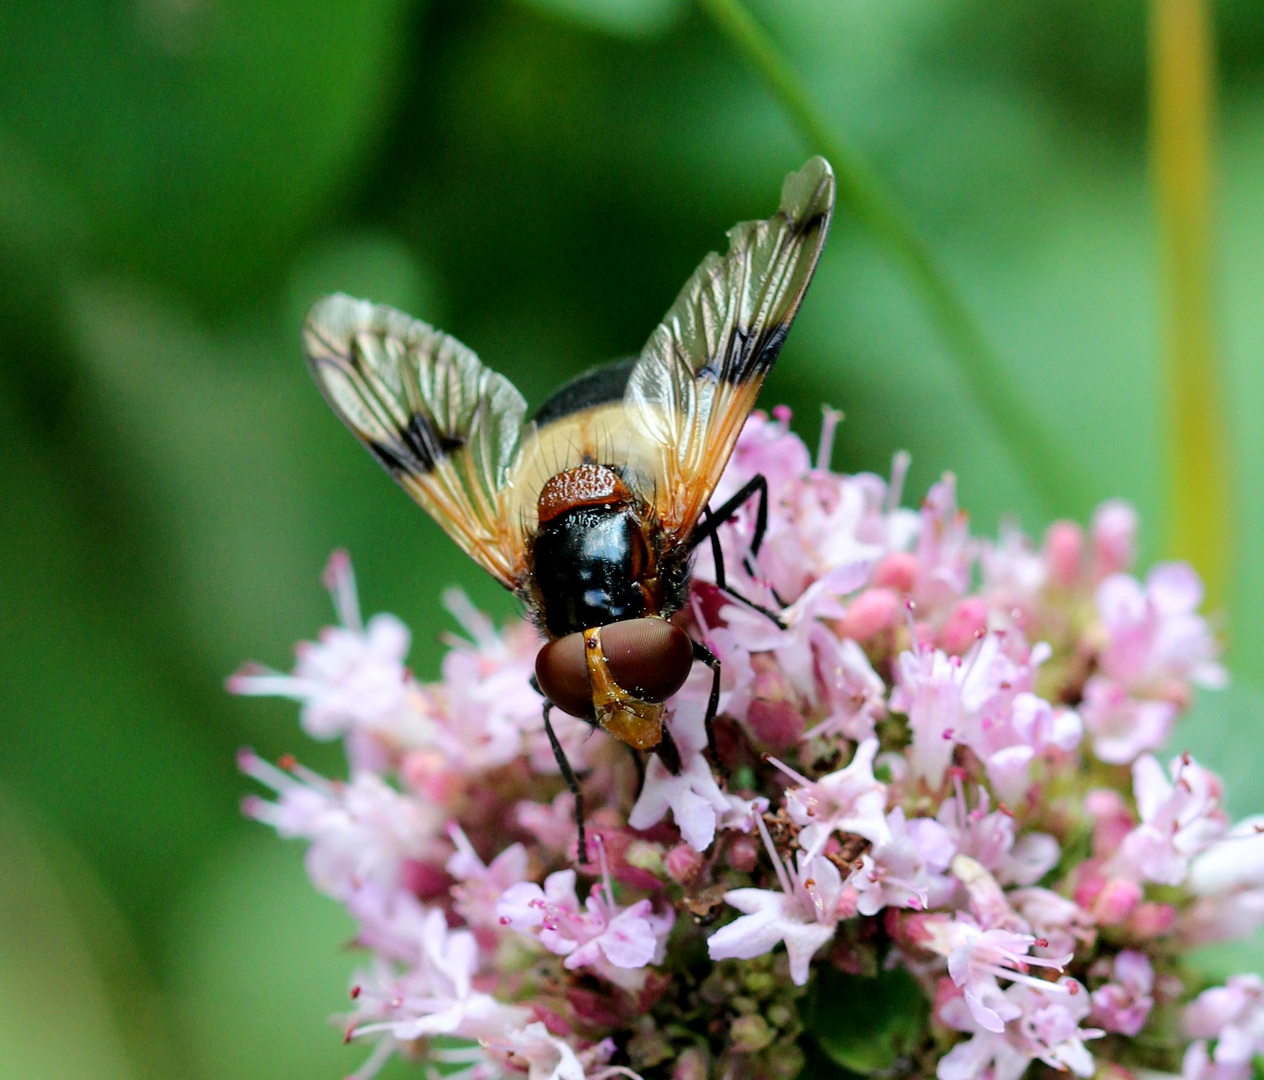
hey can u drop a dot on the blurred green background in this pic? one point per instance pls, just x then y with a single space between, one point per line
179 179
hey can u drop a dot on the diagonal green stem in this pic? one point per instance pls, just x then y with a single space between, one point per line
860 189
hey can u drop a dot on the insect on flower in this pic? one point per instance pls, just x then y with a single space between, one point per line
590 510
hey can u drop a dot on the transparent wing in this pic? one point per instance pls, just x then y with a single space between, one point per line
446 427
701 370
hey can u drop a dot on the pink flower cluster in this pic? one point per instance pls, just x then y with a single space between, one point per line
943 763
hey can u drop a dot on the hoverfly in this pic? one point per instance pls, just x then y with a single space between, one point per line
590 510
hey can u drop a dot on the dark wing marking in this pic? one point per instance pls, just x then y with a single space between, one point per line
597 386
446 427
700 372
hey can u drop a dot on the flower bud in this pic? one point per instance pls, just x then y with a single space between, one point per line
897 571
776 724
691 1065
682 864
965 625
872 612
743 854
1152 920
1116 902
748 1034
774 716
1114 533
1064 545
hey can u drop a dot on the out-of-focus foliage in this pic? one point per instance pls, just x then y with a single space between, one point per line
180 178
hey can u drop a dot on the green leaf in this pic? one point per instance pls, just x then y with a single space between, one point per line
55 1019
197 141
867 1024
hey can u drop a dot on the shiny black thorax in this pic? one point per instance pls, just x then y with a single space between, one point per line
593 566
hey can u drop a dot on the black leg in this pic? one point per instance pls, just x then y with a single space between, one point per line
668 753
756 485
717 553
568 774
711 523
701 652
640 768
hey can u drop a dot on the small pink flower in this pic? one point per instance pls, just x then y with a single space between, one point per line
897 571
353 678
480 886
1013 574
966 624
1009 744
983 947
847 801
854 693
1124 1003
359 831
1061 923
908 870
1124 727
1232 1015
683 864
436 996
1045 1027
1117 901
803 914
1155 633
1179 819
695 800
598 936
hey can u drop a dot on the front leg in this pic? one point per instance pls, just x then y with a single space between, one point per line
709 530
756 485
572 781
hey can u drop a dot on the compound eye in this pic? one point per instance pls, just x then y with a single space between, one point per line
649 658
561 669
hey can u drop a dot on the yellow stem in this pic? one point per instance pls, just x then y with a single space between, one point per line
1181 104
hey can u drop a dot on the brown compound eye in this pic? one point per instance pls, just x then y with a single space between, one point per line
649 658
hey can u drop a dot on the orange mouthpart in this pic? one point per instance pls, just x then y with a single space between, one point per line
629 719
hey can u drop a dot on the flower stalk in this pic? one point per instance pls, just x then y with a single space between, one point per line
1181 103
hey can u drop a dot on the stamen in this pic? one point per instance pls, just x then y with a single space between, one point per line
825 448
339 579
457 835
788 771
972 658
909 608
257 769
481 630
899 470
782 877
605 869
374 1062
